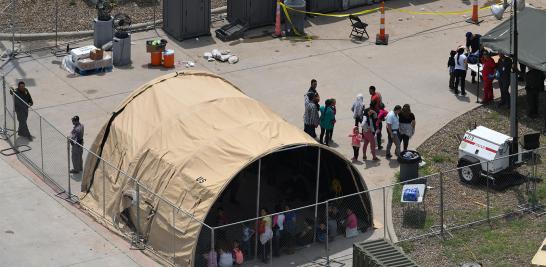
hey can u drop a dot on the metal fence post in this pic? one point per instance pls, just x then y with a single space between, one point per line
315 224
174 236
211 240
442 205
534 178
327 236
384 215
41 144
137 211
257 207
103 189
15 132
270 252
56 23
5 105
487 195
68 164
12 18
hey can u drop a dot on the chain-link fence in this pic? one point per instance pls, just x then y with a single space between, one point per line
472 194
321 233
32 25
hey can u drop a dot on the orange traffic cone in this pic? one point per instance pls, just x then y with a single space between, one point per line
474 19
382 38
278 20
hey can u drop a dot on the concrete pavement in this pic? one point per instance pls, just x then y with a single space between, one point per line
411 69
38 229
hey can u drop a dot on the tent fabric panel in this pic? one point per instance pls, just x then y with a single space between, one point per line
531 38
184 136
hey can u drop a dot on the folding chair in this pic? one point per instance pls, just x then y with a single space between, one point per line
359 27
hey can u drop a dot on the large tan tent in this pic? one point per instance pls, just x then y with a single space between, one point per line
189 138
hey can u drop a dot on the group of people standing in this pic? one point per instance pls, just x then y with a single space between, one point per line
400 125
400 122
316 115
501 70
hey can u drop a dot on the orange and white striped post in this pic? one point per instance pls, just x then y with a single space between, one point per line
382 38
474 19
278 20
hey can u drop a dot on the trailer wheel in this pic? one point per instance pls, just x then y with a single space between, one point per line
469 172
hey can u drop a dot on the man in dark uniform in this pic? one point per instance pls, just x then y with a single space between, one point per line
22 100
504 67
534 82
473 46
76 140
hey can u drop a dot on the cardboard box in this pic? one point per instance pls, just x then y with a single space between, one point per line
96 54
81 52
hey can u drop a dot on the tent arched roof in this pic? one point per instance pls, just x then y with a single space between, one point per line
183 136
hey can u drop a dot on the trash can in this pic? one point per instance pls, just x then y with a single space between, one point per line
297 18
409 165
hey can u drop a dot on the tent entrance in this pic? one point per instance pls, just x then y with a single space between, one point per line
286 179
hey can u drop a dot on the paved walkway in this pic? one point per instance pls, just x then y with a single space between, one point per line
411 69
38 229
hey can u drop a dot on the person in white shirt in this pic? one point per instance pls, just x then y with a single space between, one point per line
460 71
393 125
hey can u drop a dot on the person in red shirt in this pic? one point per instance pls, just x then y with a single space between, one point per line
375 99
488 75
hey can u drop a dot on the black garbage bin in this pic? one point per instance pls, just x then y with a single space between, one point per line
409 165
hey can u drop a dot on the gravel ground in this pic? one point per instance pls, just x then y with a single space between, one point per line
463 203
39 15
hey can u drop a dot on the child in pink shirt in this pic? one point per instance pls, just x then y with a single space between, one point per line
356 139
351 224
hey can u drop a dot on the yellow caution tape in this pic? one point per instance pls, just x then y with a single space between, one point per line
436 12
363 12
285 7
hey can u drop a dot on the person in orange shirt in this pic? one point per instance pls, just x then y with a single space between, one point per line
375 99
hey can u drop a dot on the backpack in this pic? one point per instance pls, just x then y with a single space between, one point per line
238 256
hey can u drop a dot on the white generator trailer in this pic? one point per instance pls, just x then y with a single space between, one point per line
483 150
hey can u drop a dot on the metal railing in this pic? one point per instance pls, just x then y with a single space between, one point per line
322 233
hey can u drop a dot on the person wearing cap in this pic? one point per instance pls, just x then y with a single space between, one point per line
488 75
76 140
473 47
23 101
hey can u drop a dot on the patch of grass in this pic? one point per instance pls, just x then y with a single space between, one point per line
407 247
429 221
541 191
439 159
397 189
492 246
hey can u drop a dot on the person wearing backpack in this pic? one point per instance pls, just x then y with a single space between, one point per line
237 253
